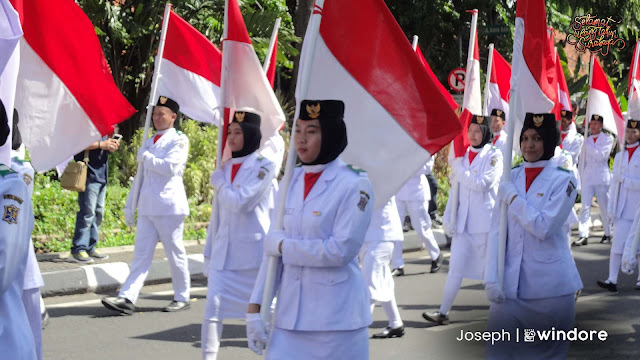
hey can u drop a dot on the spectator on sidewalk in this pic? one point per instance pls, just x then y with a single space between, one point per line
91 201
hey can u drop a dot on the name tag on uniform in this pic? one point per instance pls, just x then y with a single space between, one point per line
316 213
539 194
288 211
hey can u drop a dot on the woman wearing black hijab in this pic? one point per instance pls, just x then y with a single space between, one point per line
540 276
478 174
323 306
243 187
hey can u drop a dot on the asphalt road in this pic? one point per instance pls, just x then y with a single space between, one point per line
81 328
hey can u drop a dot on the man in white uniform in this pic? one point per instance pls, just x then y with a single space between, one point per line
595 179
162 206
497 126
571 140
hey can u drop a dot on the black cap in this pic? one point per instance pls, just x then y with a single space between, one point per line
540 121
498 113
480 120
633 124
321 110
566 114
16 138
596 117
245 117
4 124
168 102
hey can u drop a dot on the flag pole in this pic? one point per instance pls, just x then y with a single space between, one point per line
487 80
583 151
272 44
414 44
152 99
455 185
310 42
616 189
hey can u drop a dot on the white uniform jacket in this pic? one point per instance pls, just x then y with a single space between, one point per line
572 144
319 283
162 191
629 195
596 166
16 224
477 191
385 224
417 187
243 215
538 261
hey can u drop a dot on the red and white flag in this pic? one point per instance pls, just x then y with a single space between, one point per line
497 96
271 71
394 122
633 107
10 35
190 71
602 101
450 100
65 95
245 82
564 98
472 103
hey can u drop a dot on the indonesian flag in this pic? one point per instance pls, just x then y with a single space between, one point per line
563 89
603 102
534 79
472 103
271 71
450 100
633 108
499 85
10 35
190 71
65 95
395 113
246 86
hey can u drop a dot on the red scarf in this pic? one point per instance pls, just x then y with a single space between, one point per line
496 138
234 170
472 155
531 174
631 150
594 139
155 138
309 180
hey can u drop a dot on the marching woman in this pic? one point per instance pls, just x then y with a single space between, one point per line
540 276
232 257
385 232
478 173
322 310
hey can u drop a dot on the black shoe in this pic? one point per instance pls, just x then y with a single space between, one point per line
177 306
637 286
389 332
398 272
435 264
608 285
436 317
605 240
119 304
581 242
98 255
407 224
45 318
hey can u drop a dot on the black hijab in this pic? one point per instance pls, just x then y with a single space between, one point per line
16 139
4 125
483 122
547 127
250 125
330 114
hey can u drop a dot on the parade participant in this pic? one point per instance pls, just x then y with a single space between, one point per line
322 310
162 206
631 261
414 197
571 141
540 276
478 173
626 176
595 179
383 233
16 224
33 281
436 220
497 128
233 257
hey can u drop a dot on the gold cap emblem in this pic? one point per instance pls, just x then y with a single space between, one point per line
313 111
240 116
163 100
633 124
480 119
596 117
499 112
563 112
538 120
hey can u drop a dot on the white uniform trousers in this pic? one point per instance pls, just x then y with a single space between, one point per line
421 222
397 259
31 300
318 345
602 196
621 230
168 229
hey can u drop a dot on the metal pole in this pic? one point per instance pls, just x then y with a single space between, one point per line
487 81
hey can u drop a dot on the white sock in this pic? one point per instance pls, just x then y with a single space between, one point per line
391 309
451 288
42 308
372 305
210 339
615 260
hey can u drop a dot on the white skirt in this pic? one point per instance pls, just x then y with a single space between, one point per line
375 257
318 345
469 255
228 293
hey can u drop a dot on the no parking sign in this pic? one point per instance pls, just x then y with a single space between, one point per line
457 78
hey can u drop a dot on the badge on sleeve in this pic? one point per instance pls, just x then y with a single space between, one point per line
12 197
11 214
261 175
570 189
364 199
27 179
494 161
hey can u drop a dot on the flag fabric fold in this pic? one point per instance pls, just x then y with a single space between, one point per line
450 100
10 35
499 85
271 71
564 98
602 101
394 122
190 72
633 108
66 96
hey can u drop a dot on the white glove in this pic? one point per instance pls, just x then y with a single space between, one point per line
256 334
506 191
205 267
129 217
217 179
272 242
494 292
629 262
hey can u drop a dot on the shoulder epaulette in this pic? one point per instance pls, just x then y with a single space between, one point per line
564 169
260 158
19 160
179 132
516 166
5 170
357 170
494 148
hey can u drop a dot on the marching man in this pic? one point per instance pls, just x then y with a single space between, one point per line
497 127
595 179
571 141
626 175
162 206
